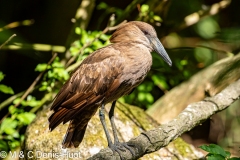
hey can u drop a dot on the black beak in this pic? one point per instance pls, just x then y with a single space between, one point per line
158 47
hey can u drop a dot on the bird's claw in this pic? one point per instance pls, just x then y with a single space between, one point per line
121 147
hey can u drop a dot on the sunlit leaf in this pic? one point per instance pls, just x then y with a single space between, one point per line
78 30
149 98
157 18
144 8
1 76
6 89
8 126
26 117
57 64
14 144
12 109
41 67
183 62
104 37
141 96
160 80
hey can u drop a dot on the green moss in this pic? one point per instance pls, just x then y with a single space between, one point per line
182 147
138 116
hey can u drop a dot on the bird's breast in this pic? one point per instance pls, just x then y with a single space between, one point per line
138 64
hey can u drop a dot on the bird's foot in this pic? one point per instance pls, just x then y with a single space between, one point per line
121 147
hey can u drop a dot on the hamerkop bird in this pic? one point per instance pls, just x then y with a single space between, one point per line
103 77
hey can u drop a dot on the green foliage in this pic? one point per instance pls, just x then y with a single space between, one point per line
141 95
109 9
10 136
217 153
55 72
147 15
95 39
1 76
3 88
207 28
41 67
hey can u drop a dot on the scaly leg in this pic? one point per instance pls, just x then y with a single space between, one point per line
102 119
116 141
113 147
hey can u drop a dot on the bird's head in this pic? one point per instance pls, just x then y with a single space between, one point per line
140 32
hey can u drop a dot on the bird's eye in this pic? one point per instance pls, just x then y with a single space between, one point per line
145 32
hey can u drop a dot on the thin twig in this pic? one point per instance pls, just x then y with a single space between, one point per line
10 100
9 39
31 87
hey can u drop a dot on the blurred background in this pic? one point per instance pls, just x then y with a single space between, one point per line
195 34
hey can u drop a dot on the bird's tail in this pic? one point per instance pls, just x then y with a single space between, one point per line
77 127
74 134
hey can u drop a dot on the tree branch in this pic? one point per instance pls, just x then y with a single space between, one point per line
193 115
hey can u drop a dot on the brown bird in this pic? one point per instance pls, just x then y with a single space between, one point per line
104 76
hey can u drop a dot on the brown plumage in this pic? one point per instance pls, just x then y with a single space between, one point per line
104 76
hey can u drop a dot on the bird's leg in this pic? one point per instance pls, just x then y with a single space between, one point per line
114 129
111 117
102 119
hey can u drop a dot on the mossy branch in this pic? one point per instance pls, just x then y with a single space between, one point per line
193 115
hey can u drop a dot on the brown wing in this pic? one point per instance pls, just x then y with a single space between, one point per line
87 85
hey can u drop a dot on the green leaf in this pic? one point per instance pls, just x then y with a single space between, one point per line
6 89
183 62
17 100
157 18
104 37
26 117
1 76
215 157
3 145
14 144
57 65
41 67
214 149
160 81
78 30
228 154
8 126
144 8
102 5
12 109
149 98
141 96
